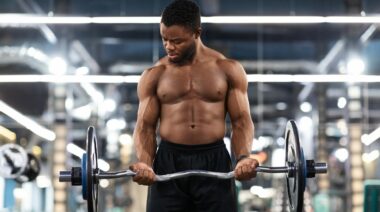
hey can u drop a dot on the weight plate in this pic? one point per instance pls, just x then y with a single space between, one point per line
295 181
84 176
92 170
13 160
31 171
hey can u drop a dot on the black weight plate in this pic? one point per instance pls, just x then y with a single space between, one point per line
32 170
92 170
295 181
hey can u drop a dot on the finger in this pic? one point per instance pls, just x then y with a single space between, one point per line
239 175
152 177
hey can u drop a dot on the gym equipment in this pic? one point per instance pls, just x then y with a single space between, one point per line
13 160
31 171
297 169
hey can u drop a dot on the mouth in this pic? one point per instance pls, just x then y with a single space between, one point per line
172 56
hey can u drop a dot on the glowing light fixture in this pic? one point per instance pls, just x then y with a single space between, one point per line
368 139
118 79
355 66
57 66
342 102
17 18
306 107
27 122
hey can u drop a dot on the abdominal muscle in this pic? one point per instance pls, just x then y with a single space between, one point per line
192 122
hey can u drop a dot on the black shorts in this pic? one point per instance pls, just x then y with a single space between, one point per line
195 193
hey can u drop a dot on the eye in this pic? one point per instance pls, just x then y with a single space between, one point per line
177 42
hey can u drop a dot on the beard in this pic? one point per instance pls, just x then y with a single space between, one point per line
187 55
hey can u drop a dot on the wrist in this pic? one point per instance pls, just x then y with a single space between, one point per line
241 157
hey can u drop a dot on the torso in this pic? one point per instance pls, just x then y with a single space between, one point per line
192 99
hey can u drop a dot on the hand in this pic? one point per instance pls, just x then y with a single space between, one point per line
144 174
246 169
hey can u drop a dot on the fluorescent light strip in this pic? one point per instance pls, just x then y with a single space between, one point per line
368 139
113 79
77 151
19 18
27 122
369 157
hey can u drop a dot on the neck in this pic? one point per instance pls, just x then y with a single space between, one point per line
199 49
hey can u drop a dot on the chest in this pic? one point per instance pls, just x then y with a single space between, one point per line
206 84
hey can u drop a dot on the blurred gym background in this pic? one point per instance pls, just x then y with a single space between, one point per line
322 74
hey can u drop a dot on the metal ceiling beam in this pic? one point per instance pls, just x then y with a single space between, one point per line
32 7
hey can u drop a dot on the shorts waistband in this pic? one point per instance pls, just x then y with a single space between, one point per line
190 148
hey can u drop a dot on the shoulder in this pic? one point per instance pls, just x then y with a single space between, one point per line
149 80
229 64
231 68
154 72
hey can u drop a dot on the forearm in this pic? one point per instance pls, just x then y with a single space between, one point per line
242 136
145 143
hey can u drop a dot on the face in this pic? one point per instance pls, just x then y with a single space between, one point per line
179 43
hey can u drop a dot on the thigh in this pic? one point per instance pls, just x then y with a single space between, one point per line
165 197
211 194
214 195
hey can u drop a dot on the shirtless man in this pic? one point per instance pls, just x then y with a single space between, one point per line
188 94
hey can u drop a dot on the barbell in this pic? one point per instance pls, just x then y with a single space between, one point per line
297 170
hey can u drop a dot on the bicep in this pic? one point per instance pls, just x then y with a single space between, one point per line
237 104
148 111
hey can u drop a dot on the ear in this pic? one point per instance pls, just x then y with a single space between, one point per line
197 33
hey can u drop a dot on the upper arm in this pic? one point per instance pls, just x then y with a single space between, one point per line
237 98
149 107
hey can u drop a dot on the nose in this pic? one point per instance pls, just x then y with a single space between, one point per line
169 46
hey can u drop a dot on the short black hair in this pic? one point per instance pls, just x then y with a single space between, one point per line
182 12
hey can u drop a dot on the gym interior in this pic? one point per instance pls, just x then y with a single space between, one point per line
67 65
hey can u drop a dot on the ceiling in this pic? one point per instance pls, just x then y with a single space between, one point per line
126 49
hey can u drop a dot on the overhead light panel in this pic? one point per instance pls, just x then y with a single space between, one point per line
118 79
368 139
355 66
23 19
58 66
27 122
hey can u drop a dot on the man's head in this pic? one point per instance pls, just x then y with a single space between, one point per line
183 13
180 29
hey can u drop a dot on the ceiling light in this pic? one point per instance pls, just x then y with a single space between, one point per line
341 154
281 106
27 122
355 66
116 124
24 19
305 107
119 79
126 139
342 102
57 66
368 139
369 157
